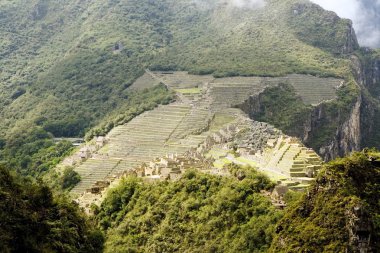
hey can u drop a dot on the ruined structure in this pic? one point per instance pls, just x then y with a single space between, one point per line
205 130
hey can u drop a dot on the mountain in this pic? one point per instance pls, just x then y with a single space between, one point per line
199 213
33 219
172 103
69 65
340 213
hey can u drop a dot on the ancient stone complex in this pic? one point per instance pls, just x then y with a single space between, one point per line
203 129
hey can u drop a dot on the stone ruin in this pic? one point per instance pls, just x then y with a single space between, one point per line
179 135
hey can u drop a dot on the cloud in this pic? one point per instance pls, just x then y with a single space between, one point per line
365 15
241 4
247 3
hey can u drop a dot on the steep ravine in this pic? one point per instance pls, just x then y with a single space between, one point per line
347 136
362 128
366 66
337 128
325 128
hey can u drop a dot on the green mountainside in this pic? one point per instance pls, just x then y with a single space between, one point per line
203 213
71 62
33 219
199 213
339 213
67 69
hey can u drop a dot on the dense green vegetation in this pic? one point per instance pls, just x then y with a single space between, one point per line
281 107
65 70
31 151
69 179
344 200
322 29
34 220
198 213
66 66
204 213
137 103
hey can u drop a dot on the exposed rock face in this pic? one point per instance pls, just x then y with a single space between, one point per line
346 132
359 229
367 74
348 136
361 129
351 41
367 71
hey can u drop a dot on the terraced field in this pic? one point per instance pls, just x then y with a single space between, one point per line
145 81
313 90
232 91
93 170
290 159
153 134
202 109
182 80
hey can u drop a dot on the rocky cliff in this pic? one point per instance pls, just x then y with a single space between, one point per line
331 131
366 69
347 134
361 127
338 127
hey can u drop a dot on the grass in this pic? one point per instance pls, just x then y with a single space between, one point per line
189 91
247 162
220 163
220 119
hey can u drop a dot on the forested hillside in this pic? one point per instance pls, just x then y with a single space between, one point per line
66 70
199 213
340 213
203 213
69 63
33 219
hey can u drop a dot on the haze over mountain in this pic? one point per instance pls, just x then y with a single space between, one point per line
365 15
202 125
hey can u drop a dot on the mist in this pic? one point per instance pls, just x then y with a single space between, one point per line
365 15
247 3
241 4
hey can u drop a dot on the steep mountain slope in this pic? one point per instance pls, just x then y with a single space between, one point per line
366 69
199 213
69 68
340 213
72 61
34 220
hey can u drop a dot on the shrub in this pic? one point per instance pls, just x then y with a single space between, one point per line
70 178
